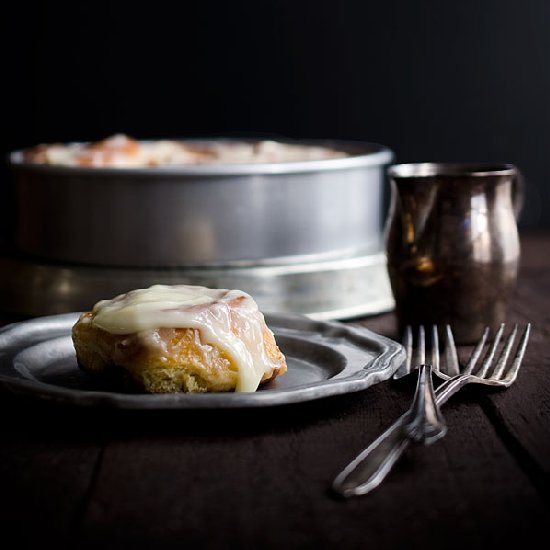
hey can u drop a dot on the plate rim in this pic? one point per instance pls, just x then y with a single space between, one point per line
377 369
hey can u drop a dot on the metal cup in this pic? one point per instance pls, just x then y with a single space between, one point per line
452 244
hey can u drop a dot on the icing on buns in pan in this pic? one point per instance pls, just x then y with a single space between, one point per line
121 151
180 338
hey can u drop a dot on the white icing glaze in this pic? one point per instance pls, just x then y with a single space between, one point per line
185 306
120 151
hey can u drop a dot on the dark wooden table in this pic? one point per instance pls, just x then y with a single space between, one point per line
260 478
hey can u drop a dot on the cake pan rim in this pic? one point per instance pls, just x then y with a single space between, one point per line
368 154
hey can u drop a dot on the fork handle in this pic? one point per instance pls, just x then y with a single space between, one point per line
371 466
421 423
450 387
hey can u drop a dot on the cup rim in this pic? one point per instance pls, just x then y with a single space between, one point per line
451 169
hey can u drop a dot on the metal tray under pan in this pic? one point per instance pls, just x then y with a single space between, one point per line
338 289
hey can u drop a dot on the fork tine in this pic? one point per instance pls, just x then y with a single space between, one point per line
513 371
499 368
435 348
421 346
476 352
406 367
451 355
482 372
408 343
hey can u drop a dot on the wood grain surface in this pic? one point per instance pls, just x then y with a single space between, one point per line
260 478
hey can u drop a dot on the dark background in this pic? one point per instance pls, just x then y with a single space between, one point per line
434 80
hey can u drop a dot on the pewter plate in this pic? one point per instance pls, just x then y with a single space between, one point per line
37 358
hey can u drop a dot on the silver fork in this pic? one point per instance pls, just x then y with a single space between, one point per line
422 423
450 351
498 376
370 467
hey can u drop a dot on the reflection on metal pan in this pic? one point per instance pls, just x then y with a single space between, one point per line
202 215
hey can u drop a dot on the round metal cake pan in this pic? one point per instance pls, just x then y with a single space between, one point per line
203 215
